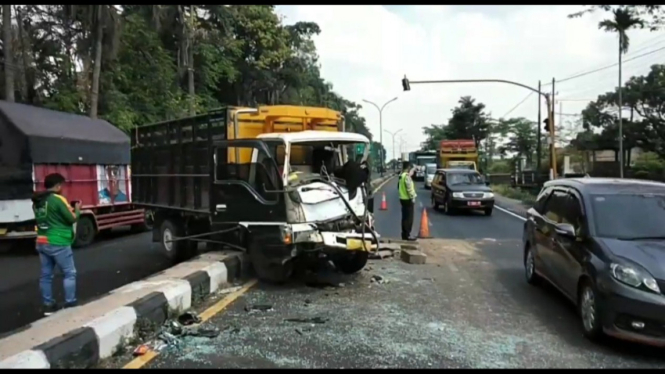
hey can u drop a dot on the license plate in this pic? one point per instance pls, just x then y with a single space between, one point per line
473 203
3 231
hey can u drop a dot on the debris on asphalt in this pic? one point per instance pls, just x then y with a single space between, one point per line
315 320
414 257
308 301
203 332
168 338
259 307
380 255
189 318
229 290
141 350
378 279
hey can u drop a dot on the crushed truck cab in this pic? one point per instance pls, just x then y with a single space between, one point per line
281 196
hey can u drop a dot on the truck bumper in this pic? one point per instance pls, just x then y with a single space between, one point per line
349 241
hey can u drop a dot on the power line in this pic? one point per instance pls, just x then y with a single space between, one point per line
606 67
640 47
518 105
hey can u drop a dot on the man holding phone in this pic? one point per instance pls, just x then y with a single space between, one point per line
55 234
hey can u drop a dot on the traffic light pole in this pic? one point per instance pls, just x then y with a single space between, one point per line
406 85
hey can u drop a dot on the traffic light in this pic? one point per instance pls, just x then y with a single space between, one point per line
405 84
546 121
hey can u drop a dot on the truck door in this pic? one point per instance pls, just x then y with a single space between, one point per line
248 191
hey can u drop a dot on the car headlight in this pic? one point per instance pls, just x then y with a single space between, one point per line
634 276
488 195
458 195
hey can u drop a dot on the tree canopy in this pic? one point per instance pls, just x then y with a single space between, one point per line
137 64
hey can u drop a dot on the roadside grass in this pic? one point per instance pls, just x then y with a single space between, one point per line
514 193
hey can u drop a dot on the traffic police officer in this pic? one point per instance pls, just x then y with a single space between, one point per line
407 198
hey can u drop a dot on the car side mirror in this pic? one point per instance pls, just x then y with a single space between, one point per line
565 229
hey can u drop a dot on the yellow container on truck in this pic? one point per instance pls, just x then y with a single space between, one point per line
251 122
458 154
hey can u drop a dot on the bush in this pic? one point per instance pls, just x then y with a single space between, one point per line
524 196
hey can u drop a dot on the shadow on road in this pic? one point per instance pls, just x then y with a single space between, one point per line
26 247
560 317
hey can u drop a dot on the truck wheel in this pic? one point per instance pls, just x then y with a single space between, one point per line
147 224
85 232
176 251
352 262
266 269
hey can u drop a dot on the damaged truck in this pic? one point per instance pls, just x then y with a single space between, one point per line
284 190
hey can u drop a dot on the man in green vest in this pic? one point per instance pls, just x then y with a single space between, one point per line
407 198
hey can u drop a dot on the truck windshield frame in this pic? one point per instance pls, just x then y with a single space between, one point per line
340 151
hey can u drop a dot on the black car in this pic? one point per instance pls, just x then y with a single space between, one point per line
457 189
601 242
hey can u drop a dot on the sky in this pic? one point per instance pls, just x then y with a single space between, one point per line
365 51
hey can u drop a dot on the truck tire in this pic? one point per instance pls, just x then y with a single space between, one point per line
85 232
175 251
351 262
268 270
147 224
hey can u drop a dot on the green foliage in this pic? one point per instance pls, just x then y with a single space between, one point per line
651 16
644 100
239 55
469 121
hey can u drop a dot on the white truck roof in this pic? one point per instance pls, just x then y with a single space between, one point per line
316 136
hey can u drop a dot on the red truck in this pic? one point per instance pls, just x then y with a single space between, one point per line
92 155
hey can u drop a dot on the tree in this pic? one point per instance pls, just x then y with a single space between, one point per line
522 136
652 16
623 20
152 63
469 121
7 51
434 134
645 126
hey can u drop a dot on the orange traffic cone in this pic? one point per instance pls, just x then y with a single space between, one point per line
384 204
424 225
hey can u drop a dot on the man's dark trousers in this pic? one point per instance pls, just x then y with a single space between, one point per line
407 217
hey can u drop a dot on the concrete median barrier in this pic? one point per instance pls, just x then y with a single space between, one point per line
80 337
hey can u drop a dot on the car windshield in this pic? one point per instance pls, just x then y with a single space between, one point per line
431 169
629 216
464 178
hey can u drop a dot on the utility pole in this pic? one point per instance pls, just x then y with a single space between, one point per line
380 109
553 173
406 85
620 111
540 135
393 135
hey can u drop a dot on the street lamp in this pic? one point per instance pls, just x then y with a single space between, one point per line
380 109
393 135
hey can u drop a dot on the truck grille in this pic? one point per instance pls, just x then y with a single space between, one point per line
473 195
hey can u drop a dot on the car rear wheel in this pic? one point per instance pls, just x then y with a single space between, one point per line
530 268
590 312
488 212
435 205
446 207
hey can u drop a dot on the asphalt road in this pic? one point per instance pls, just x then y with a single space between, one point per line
115 259
468 307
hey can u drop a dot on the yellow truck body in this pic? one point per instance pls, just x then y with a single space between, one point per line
252 122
